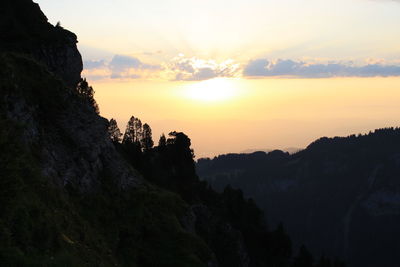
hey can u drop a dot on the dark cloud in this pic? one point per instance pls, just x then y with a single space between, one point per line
265 68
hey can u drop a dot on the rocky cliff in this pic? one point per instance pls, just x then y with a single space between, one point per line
25 29
70 139
73 145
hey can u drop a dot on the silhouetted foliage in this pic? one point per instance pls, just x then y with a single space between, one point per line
137 124
114 132
130 132
181 143
163 141
86 92
131 142
171 166
147 139
133 132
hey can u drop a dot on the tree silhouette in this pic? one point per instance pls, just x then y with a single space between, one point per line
147 139
181 142
131 142
138 130
163 141
86 92
130 135
114 132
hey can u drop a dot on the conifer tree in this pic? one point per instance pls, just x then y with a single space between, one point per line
86 92
129 135
147 139
137 124
114 132
163 141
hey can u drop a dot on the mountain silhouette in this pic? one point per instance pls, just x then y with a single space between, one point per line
339 196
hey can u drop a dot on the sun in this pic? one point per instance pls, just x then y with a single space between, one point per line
214 90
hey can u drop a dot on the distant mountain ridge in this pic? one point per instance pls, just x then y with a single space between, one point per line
339 196
290 150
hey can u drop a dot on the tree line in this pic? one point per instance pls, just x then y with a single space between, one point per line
136 134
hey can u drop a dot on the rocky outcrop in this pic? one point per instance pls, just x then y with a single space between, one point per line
74 146
69 138
64 60
25 29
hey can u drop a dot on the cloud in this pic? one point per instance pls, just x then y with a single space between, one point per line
195 69
120 67
120 64
291 68
93 64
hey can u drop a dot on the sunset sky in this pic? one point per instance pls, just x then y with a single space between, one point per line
238 75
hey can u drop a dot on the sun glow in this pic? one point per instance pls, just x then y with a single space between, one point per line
214 90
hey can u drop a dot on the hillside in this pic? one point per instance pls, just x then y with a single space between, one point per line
340 196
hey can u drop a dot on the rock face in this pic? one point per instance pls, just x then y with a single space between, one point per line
62 59
74 145
24 29
71 141
340 197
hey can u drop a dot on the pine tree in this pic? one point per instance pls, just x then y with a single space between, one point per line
137 124
86 92
147 139
163 141
129 135
114 132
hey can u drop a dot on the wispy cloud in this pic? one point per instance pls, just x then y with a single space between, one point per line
183 68
128 67
292 68
179 68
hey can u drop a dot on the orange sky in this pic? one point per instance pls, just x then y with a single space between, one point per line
257 113
237 75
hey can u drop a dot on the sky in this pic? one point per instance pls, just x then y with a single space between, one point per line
239 75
